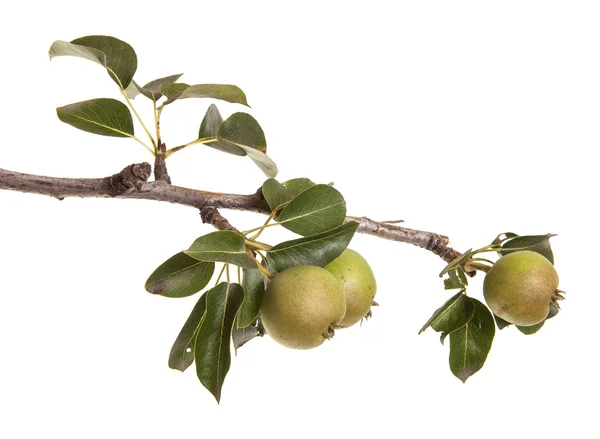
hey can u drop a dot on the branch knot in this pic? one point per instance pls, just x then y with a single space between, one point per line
133 176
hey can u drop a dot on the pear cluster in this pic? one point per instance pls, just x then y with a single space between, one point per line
303 305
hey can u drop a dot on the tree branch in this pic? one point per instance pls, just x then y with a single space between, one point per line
131 183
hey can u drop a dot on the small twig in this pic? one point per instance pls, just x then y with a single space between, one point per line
210 215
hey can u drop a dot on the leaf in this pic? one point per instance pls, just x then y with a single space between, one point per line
529 330
536 243
456 279
115 55
470 345
180 276
106 117
211 123
317 250
182 352
275 193
501 323
457 262
298 185
240 134
222 246
241 336
315 210
452 315
152 89
254 289
223 92
212 349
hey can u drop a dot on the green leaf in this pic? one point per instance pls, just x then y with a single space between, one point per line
275 193
528 330
106 117
180 276
317 250
211 123
457 262
298 185
212 349
254 289
182 352
115 55
223 92
470 345
501 323
315 210
152 89
241 336
222 246
456 279
535 243
240 134
452 315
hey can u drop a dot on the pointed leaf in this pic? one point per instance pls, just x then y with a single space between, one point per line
212 349
456 279
452 315
298 185
223 92
106 117
315 210
254 289
241 336
529 330
470 345
261 160
501 323
180 276
152 89
211 123
115 55
317 250
182 352
457 262
275 193
535 243
222 246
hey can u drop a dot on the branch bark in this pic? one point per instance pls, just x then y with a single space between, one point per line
131 183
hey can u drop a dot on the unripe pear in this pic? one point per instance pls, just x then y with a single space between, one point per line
358 285
301 305
520 287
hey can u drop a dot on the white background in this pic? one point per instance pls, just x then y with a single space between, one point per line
464 118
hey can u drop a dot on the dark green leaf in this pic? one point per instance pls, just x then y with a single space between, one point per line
222 246
212 349
243 129
298 185
211 123
528 330
241 336
317 250
315 210
106 117
452 315
457 262
501 323
456 279
535 243
152 89
115 55
180 276
275 193
254 289
182 352
223 92
470 345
